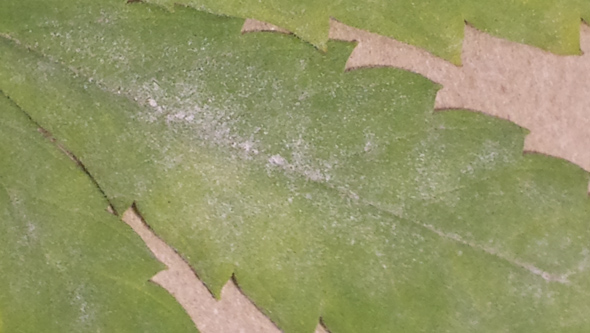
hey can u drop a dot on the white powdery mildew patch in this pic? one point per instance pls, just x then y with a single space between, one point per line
249 147
182 107
489 156
86 312
181 104
210 125
369 142
152 102
303 162
115 53
432 181
277 160
299 168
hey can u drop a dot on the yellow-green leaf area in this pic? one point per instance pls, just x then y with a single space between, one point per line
330 194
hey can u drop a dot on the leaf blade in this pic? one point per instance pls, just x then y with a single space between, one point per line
285 228
65 260
436 26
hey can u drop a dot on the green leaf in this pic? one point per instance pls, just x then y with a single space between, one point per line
434 24
68 265
327 193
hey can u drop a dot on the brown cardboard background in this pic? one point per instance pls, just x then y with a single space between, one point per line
545 93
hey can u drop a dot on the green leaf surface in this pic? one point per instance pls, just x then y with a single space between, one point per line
327 193
68 265
436 25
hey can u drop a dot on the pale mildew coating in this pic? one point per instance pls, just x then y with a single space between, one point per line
498 77
543 92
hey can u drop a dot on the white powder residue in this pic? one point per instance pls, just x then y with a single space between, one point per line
277 160
152 102
303 162
369 142
248 147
